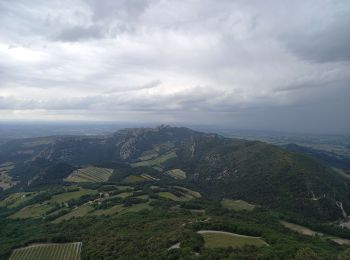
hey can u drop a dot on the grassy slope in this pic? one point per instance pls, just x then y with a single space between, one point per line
237 204
16 199
32 211
217 240
77 212
64 197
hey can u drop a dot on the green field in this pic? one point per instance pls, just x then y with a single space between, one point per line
186 194
136 208
219 239
64 197
124 195
90 174
39 210
77 212
67 251
237 205
122 188
32 211
16 199
192 193
299 229
177 174
108 212
139 178
134 179
149 177
156 161
308 232
171 196
148 155
144 197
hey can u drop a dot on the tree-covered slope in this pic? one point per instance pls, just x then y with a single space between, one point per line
266 175
220 167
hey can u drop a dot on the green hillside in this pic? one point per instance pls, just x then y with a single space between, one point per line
149 193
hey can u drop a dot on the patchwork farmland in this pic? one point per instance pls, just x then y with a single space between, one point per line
90 174
67 251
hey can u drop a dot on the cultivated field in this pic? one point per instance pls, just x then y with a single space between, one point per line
67 251
90 174
134 179
299 229
77 212
108 212
66 196
40 209
177 174
216 239
171 196
16 199
148 155
149 177
136 208
182 194
192 193
32 211
139 178
154 153
308 232
237 205
156 161
123 195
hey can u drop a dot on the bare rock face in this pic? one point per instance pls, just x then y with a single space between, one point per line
127 140
127 148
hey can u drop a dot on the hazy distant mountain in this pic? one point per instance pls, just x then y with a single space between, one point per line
330 158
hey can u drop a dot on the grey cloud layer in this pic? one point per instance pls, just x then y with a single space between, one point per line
223 58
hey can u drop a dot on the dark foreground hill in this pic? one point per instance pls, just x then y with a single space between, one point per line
219 167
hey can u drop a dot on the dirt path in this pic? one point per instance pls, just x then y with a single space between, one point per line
177 245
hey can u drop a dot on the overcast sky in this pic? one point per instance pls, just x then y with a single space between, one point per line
279 65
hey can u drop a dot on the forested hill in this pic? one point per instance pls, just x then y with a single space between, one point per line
219 167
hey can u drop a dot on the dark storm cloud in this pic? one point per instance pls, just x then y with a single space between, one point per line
78 33
329 44
244 63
